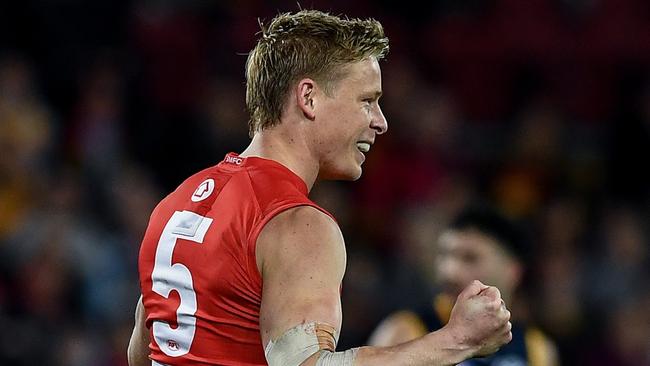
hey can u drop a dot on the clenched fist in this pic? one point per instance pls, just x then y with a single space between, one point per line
480 320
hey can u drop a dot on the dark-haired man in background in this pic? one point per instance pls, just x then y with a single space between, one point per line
479 244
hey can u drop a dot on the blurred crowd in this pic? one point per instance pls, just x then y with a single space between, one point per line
541 107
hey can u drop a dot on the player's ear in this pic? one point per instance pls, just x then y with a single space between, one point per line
305 97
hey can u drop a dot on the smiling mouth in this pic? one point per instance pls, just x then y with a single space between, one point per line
364 147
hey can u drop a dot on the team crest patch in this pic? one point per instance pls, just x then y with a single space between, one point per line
204 190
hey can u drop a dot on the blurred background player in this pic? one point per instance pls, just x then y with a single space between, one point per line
480 243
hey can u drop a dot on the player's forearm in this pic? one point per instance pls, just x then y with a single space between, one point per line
138 350
439 348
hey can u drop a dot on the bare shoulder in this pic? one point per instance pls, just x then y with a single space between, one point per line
301 257
301 236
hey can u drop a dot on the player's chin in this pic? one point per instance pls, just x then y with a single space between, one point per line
355 177
356 169
350 172
350 175
355 172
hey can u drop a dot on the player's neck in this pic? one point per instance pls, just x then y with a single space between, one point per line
290 151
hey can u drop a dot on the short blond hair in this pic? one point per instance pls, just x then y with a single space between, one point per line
308 43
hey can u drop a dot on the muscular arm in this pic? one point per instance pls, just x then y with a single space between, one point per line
138 350
301 256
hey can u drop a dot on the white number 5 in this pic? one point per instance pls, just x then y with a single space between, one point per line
167 277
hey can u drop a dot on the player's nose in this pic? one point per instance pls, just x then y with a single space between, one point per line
379 122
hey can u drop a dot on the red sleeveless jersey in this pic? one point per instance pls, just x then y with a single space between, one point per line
200 283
